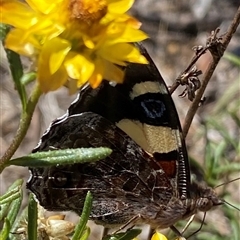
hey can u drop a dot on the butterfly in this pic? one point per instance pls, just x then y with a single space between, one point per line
147 176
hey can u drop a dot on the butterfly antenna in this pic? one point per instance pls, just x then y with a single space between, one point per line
231 205
222 184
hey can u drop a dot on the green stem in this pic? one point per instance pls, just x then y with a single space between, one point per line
25 121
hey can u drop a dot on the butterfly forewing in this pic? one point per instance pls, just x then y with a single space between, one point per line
144 109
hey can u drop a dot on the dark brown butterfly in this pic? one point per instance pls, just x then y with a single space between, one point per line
146 178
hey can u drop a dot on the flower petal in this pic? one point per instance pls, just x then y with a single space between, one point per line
51 76
122 52
17 14
158 236
119 6
58 49
98 73
113 73
23 47
121 33
79 67
51 82
105 70
95 79
43 6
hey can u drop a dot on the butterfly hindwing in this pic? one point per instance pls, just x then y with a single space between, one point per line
135 176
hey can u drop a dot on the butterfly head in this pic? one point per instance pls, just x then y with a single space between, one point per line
206 197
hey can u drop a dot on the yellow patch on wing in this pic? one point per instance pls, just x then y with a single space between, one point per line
161 139
151 138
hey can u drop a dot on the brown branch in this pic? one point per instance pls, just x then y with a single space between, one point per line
193 61
217 54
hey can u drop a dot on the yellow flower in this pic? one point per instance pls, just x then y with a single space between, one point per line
158 236
76 40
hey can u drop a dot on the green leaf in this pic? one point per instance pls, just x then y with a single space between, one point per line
4 29
226 169
229 96
86 234
80 228
19 225
32 218
14 209
6 199
11 208
10 195
62 157
28 77
15 66
5 230
235 114
232 58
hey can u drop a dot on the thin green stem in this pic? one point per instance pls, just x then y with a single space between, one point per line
25 121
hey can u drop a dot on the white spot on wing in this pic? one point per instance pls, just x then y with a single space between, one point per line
147 87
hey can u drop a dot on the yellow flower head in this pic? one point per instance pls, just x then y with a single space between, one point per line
158 236
76 40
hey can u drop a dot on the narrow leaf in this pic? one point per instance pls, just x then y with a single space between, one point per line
86 234
19 225
5 230
14 208
62 157
79 230
5 206
232 58
10 195
32 218
15 66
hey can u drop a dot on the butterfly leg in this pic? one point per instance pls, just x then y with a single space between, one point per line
188 224
132 221
204 216
180 235
174 229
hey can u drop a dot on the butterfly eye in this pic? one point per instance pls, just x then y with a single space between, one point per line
59 179
204 204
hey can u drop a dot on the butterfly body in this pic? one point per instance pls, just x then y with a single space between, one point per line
147 174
